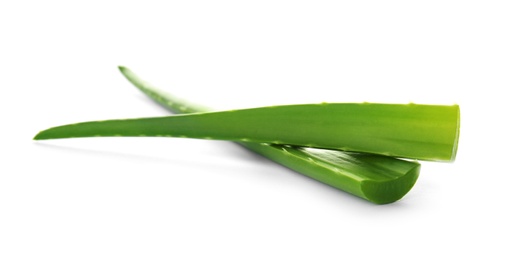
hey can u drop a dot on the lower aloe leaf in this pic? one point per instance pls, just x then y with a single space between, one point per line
378 179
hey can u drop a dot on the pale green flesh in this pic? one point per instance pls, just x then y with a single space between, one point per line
379 179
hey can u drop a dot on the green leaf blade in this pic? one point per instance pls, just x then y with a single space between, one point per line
425 132
362 175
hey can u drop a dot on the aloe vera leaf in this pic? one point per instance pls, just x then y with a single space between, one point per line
425 132
376 178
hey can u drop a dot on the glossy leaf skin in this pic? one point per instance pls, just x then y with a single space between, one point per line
425 132
379 179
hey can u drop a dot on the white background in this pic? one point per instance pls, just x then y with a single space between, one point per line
151 198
